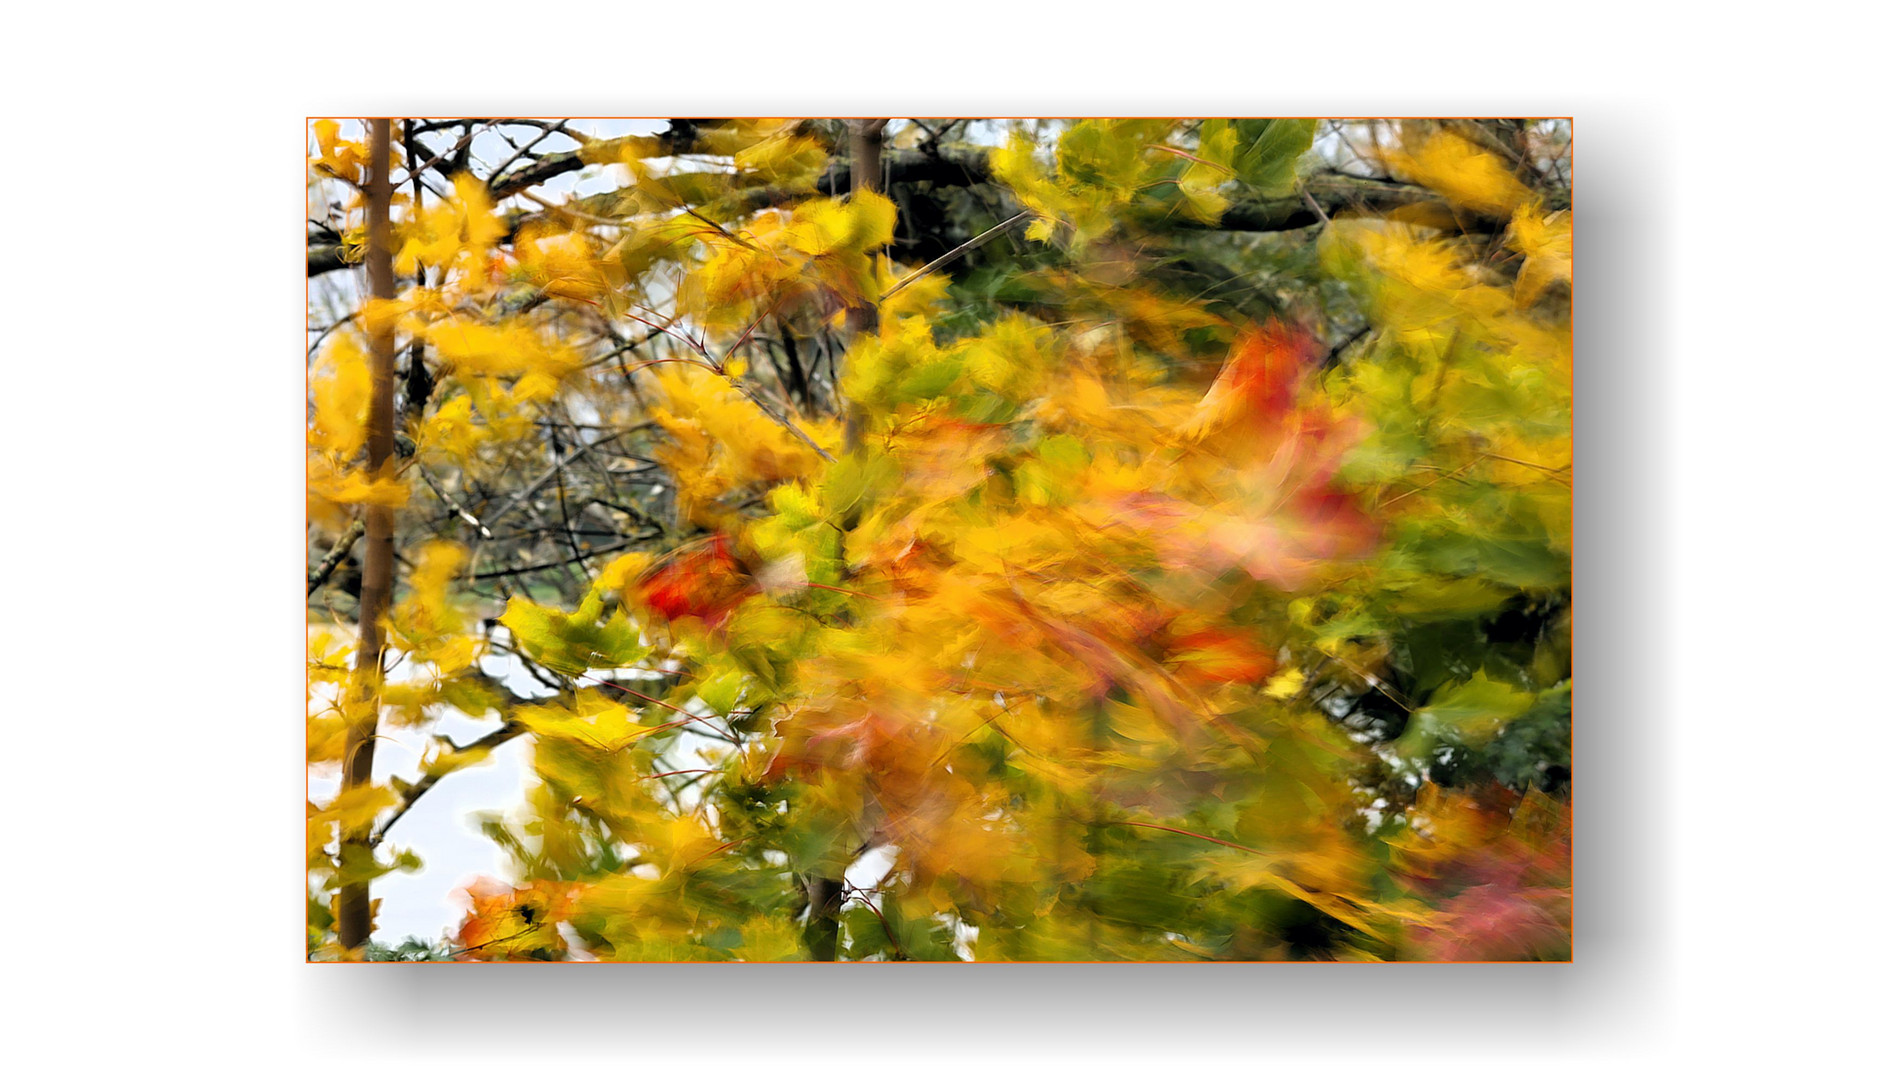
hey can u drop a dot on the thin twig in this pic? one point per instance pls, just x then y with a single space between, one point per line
630 542
1546 469
452 504
780 418
470 134
564 209
657 701
1193 157
626 347
1186 832
531 489
1431 483
962 249
890 934
328 329
1386 691
717 227
526 148
1314 205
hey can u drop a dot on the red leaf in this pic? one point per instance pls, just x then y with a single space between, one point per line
1261 377
1490 922
706 583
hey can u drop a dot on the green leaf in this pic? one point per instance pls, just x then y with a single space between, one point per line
1102 153
929 380
1477 709
1270 149
858 478
573 643
721 691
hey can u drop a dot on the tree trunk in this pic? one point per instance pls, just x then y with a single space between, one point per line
823 896
355 915
867 167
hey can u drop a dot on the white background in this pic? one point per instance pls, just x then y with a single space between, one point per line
1728 364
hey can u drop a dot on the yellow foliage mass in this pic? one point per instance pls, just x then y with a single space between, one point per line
1545 241
720 441
1464 172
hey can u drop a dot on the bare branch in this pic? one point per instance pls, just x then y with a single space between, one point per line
318 577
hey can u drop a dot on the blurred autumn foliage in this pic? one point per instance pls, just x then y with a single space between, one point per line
1100 540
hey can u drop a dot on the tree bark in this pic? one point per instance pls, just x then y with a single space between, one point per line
824 896
867 174
376 589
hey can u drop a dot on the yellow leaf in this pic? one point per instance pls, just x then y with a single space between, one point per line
504 349
596 722
679 842
1464 173
354 486
793 162
440 759
339 158
1545 241
769 939
457 232
426 620
620 571
1285 684
343 391
922 297
874 220
824 226
452 654
720 441
562 264
355 810
627 150
450 430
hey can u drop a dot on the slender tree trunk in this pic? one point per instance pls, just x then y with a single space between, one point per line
867 154
867 169
376 589
824 895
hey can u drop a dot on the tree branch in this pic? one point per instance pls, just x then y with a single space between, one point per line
324 258
680 138
342 545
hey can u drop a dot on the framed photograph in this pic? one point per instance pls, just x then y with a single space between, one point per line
939 539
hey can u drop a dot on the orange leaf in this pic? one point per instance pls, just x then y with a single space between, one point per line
1221 656
1260 378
